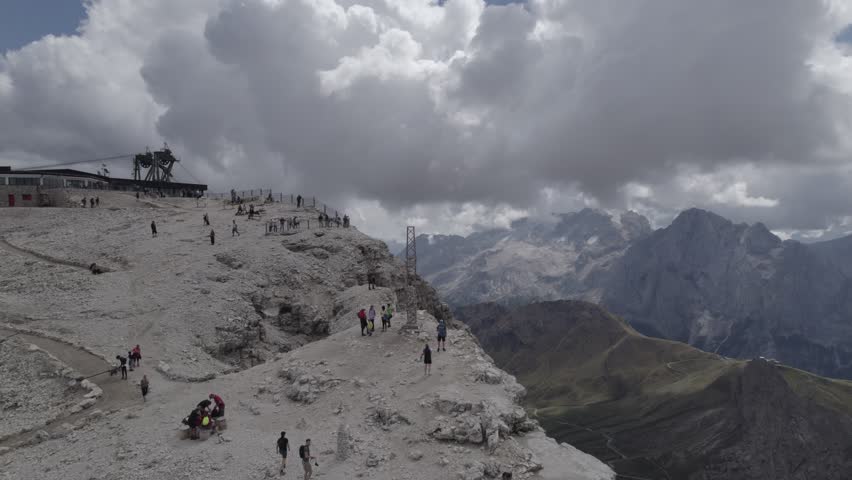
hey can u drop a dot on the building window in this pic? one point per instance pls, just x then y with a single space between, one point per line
21 181
27 197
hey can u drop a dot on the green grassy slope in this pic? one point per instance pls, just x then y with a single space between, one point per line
653 408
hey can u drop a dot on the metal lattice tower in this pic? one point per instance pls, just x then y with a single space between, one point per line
410 276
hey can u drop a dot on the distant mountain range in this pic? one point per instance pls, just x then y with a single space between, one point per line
565 256
658 409
734 289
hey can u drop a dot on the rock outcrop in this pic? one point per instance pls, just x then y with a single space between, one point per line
268 323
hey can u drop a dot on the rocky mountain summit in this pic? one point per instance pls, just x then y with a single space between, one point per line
740 291
564 256
659 409
265 320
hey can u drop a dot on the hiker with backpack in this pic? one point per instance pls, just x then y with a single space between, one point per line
442 334
305 455
283 446
122 366
362 316
371 320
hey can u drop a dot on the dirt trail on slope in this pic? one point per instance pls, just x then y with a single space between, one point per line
117 393
5 245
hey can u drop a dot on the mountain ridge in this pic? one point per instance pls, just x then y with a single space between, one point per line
732 288
658 409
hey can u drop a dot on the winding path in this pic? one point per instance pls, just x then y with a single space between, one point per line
5 245
117 393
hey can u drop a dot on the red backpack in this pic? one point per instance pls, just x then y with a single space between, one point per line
362 315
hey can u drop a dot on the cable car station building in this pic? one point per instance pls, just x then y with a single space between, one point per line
152 173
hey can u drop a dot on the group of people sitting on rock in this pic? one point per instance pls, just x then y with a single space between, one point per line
203 417
368 319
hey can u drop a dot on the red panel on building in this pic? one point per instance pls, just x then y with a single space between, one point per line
28 198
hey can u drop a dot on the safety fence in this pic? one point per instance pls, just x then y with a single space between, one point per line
263 196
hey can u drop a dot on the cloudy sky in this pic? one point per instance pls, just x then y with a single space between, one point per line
453 115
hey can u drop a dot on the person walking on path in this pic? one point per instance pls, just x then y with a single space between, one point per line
234 229
442 334
144 386
426 356
97 201
362 316
92 202
212 237
298 201
123 366
283 446
206 220
153 229
305 455
371 319
390 313
384 319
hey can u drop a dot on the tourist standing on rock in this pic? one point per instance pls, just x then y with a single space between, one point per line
371 319
206 220
362 315
84 202
91 203
219 409
283 446
234 229
97 201
426 356
442 334
122 366
390 313
144 386
305 455
212 237
153 229
298 201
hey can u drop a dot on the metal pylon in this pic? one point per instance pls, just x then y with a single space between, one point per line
410 276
